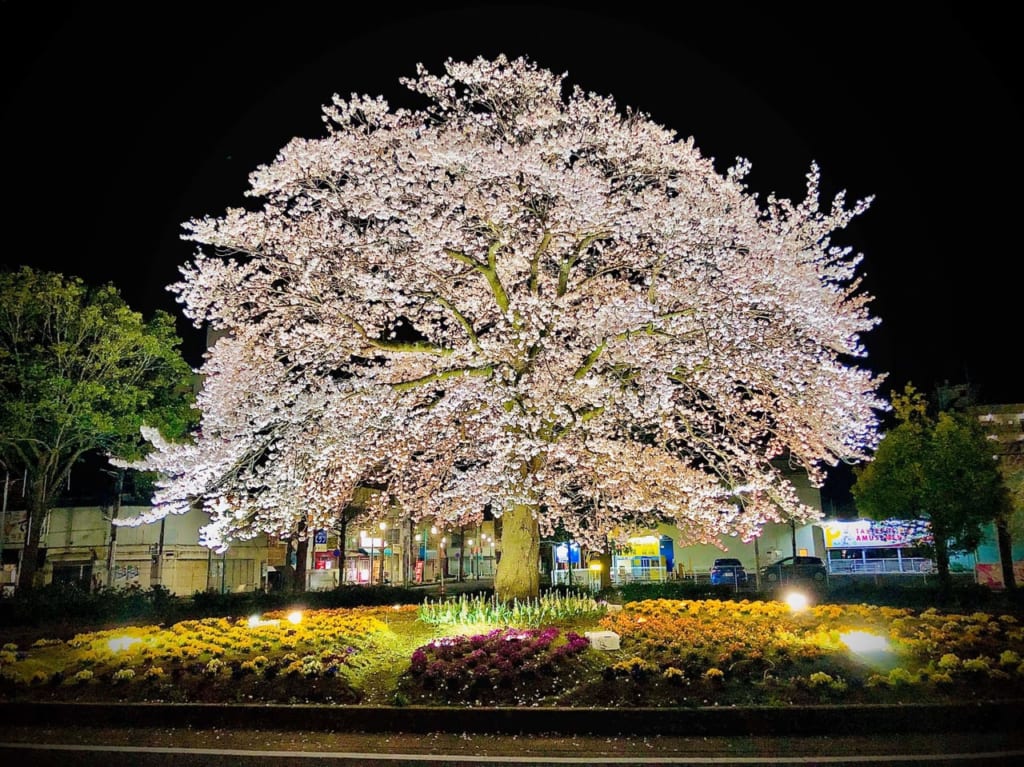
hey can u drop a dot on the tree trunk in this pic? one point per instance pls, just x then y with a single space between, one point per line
517 576
1005 553
300 564
115 509
342 539
36 509
942 563
606 565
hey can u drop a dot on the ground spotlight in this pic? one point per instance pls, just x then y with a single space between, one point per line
797 601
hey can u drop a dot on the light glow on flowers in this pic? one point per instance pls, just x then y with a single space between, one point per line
256 620
295 616
863 642
122 643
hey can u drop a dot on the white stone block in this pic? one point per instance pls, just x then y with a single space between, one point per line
603 640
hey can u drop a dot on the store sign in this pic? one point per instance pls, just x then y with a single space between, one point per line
991 575
642 546
868 533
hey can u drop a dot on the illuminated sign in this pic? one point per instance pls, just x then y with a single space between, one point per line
870 533
567 553
642 545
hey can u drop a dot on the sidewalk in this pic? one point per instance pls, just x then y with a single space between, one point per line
433 589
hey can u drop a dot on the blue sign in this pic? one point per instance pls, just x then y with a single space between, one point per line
320 536
568 553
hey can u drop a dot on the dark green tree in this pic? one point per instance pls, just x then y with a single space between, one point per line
1003 425
80 373
938 468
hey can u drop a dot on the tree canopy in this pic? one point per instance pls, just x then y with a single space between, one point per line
521 296
940 468
80 372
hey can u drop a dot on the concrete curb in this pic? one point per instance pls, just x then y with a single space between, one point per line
988 716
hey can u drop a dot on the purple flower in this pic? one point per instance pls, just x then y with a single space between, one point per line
419 660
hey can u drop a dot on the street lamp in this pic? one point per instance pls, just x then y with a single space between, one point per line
383 529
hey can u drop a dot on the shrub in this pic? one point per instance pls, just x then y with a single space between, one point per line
638 592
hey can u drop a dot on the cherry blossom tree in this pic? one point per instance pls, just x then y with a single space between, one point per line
525 299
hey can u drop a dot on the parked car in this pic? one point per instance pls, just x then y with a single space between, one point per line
795 568
727 570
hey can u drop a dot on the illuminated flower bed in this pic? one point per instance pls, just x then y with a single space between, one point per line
319 655
671 653
713 652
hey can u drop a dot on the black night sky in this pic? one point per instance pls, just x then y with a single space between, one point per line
120 124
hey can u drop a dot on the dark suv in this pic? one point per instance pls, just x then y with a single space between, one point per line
795 568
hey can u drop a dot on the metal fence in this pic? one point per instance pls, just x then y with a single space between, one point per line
911 565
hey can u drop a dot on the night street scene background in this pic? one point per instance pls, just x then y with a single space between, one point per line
120 122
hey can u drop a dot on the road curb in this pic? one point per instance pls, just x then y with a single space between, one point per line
988 716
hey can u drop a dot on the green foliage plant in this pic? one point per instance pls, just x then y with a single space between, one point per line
548 608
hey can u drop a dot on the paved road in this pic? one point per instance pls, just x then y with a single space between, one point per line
156 747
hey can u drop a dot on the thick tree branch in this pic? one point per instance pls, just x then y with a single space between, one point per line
443 375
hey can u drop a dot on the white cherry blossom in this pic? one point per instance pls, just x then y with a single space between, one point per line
512 298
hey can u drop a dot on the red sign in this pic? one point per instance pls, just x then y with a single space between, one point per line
418 575
991 575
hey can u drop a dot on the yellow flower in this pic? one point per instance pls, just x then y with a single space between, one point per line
949 661
819 678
